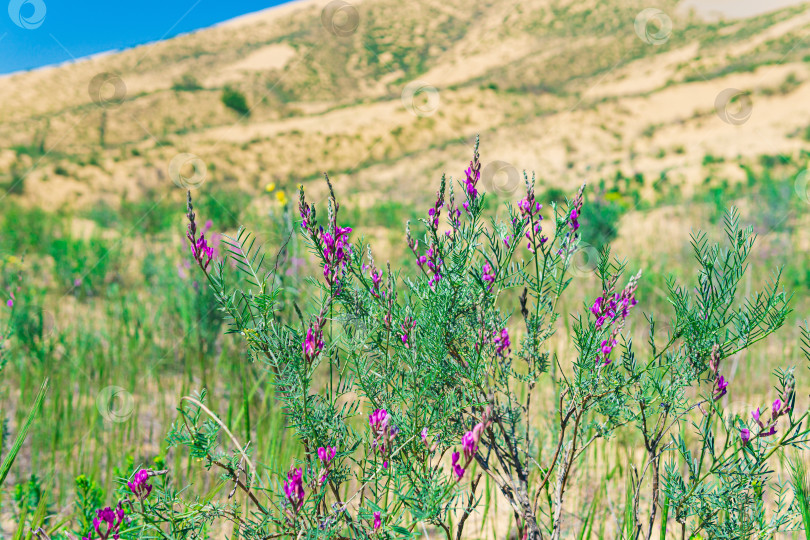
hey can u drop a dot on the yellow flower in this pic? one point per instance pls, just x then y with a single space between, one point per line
281 197
270 188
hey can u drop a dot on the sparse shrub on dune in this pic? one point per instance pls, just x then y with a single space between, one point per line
404 391
235 100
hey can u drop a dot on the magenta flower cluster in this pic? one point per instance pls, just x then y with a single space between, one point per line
567 245
469 445
488 275
502 343
430 263
530 210
473 175
107 523
766 429
435 212
376 281
576 210
313 342
336 251
200 250
334 241
377 520
407 327
384 433
610 312
139 486
326 455
294 489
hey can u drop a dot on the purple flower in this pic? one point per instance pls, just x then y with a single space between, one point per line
530 211
720 385
377 520
139 486
313 344
576 210
430 259
488 275
326 455
756 414
612 310
10 302
776 410
294 488
573 217
458 469
469 445
567 244
200 250
435 212
376 278
378 420
308 220
384 432
768 432
407 327
529 207
336 251
745 435
473 175
107 523
424 436
501 341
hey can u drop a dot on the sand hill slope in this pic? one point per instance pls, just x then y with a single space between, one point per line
385 94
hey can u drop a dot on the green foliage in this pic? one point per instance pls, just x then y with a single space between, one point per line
89 497
11 454
651 397
187 83
394 339
601 218
235 100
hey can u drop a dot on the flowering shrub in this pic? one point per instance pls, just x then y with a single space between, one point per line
403 391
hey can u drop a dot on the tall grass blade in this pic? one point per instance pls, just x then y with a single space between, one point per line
801 491
8 461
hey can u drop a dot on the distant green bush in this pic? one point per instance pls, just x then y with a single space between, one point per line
235 100
601 218
187 83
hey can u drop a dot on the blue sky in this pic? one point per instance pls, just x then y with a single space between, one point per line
36 33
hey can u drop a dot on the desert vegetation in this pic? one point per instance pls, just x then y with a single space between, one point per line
522 395
260 281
